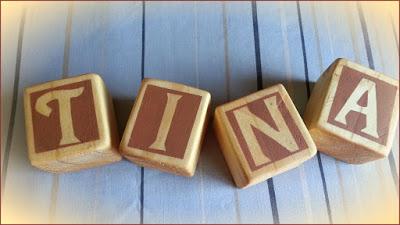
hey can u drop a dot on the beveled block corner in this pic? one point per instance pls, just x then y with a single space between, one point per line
262 135
166 127
353 112
70 124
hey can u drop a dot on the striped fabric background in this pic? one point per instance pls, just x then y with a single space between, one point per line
228 48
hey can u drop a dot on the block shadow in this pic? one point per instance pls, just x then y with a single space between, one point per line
122 108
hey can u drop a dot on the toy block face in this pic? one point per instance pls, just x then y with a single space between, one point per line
360 108
262 135
166 127
70 124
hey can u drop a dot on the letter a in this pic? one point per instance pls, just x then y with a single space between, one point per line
63 97
370 111
247 120
169 111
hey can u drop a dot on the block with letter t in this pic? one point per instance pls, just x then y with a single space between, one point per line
353 112
262 135
166 127
70 124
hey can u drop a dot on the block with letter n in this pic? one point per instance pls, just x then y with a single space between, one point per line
70 124
262 135
166 127
353 112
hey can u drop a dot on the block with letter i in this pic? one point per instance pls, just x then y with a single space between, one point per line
166 127
353 112
262 135
70 124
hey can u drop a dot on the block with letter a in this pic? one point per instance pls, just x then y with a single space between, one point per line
262 135
353 112
166 127
70 124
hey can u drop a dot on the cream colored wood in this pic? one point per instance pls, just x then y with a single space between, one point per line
342 143
83 155
185 166
169 111
234 156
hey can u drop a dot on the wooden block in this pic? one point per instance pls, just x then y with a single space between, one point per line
262 135
166 127
353 112
70 124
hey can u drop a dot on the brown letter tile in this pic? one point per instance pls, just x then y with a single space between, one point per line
353 112
70 124
262 135
166 127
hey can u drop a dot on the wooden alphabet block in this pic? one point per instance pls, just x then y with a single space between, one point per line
70 124
262 135
353 112
166 127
